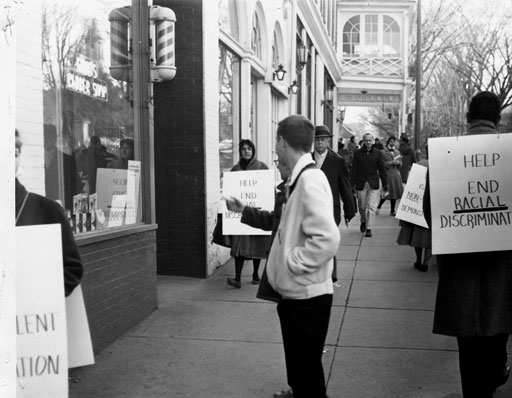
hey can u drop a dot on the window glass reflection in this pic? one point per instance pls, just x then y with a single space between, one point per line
88 116
229 107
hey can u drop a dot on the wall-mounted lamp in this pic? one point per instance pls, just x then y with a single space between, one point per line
302 54
279 73
364 92
328 97
341 113
294 88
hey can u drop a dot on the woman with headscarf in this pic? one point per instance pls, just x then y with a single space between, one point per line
392 161
248 247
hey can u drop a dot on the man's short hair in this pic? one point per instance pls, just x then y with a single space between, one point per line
297 131
370 134
485 105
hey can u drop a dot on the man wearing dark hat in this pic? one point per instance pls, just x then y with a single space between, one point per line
335 169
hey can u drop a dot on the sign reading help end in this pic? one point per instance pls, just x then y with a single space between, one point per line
471 193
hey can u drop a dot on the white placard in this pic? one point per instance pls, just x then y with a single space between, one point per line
471 193
411 203
254 188
80 352
109 182
117 211
41 365
132 191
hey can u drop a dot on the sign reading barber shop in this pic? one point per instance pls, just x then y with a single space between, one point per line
471 193
255 188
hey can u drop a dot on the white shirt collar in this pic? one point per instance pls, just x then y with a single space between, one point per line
303 161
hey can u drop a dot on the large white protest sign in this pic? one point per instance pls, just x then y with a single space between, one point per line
471 193
254 188
411 203
80 352
42 363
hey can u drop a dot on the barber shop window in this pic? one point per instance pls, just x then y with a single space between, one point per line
89 142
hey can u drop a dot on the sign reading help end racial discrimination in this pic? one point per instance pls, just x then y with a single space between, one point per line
471 193
254 188
42 363
411 203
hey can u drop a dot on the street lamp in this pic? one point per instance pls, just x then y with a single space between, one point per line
294 88
341 113
302 54
328 97
279 73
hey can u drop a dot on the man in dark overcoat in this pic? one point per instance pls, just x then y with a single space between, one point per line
336 171
474 295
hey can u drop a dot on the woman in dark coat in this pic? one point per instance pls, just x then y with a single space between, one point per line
248 247
33 209
474 293
392 163
408 157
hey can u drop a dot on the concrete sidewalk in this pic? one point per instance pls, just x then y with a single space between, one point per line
210 340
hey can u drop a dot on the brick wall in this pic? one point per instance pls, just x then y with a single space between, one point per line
180 150
119 284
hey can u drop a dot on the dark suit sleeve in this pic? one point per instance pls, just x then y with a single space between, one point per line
346 190
353 169
261 219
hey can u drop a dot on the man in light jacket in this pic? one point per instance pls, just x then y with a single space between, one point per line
300 261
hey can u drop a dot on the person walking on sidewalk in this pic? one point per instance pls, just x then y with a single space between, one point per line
300 261
248 247
392 162
474 293
367 168
335 169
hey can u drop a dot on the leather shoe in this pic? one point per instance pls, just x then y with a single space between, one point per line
362 228
234 283
368 233
421 267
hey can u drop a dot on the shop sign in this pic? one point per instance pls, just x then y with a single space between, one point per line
42 363
471 193
369 98
411 203
132 191
86 85
254 188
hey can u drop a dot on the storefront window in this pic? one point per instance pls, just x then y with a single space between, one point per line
229 108
89 140
228 17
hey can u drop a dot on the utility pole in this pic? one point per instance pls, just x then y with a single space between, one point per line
417 110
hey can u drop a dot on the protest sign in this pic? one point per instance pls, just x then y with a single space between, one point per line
132 191
254 188
41 364
471 193
117 211
80 351
109 182
411 203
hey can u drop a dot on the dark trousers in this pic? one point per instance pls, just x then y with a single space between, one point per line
481 363
304 326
